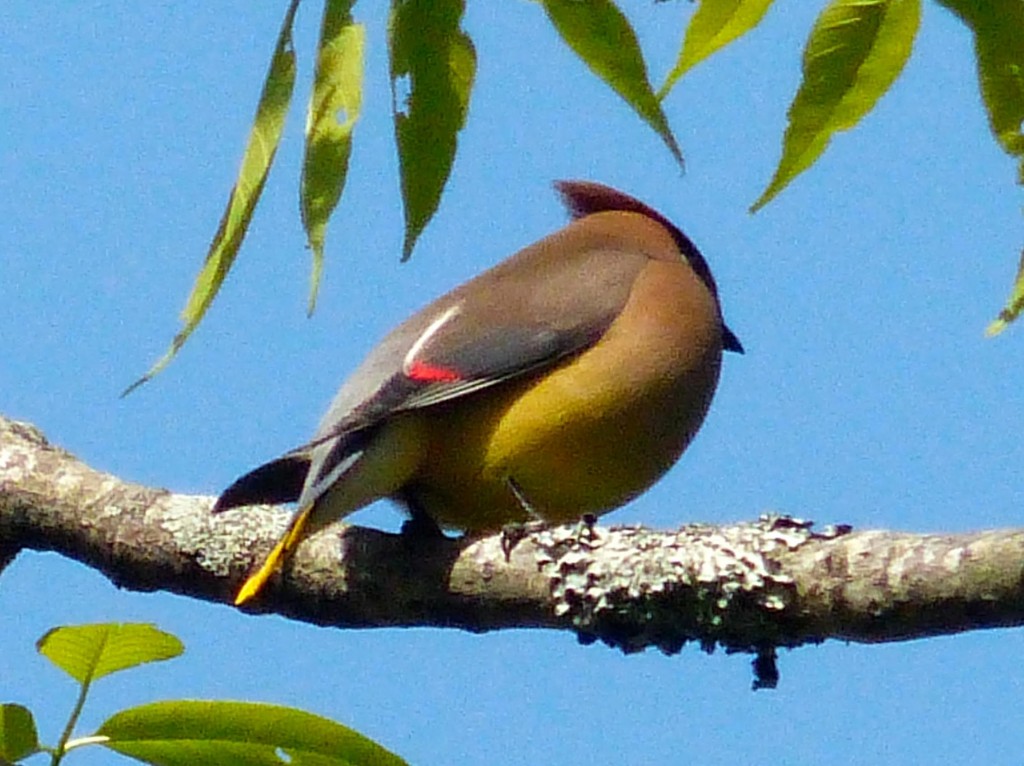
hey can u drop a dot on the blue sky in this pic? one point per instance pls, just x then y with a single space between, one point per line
868 394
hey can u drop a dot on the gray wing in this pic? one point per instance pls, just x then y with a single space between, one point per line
530 312
546 303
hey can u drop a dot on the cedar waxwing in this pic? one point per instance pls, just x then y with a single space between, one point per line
564 381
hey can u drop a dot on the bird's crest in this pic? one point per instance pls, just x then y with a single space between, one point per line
583 198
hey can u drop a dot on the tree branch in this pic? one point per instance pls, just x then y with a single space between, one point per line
747 587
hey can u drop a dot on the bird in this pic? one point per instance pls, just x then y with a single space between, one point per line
557 385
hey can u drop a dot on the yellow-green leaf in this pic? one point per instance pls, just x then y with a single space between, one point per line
433 65
1013 306
334 107
256 161
998 27
188 732
855 51
603 38
715 24
88 652
18 737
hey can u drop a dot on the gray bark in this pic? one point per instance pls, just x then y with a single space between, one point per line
746 587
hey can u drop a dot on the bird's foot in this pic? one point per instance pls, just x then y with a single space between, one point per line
421 527
515 532
585 532
511 535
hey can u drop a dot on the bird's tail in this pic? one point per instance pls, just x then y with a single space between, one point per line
276 557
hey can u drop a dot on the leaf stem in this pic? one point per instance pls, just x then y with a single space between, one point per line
61 749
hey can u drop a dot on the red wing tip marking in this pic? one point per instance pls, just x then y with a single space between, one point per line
428 373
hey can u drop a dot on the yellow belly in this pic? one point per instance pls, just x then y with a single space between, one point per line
584 438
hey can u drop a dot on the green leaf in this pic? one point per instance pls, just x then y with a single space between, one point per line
433 65
854 53
88 652
18 736
715 24
334 107
256 161
187 732
1013 306
998 27
603 38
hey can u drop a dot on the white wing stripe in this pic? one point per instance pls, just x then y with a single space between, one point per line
432 328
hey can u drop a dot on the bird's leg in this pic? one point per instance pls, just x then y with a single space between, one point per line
513 532
420 524
523 501
585 532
